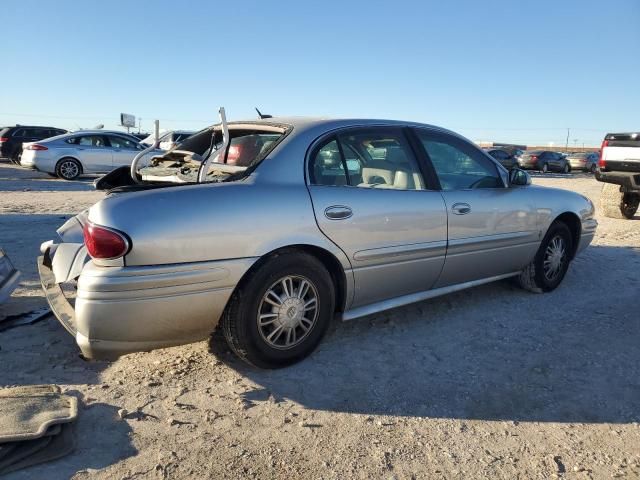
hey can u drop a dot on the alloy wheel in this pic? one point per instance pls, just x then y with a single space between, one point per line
288 312
69 169
555 256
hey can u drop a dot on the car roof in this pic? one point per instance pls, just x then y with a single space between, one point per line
325 124
100 132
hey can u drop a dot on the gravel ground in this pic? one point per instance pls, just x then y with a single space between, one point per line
492 382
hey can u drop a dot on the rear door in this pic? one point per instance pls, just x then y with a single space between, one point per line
492 227
371 199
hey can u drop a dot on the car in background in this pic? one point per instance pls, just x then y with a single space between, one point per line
619 170
504 158
82 152
545 161
12 139
169 139
587 161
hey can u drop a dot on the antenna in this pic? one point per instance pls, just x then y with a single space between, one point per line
262 116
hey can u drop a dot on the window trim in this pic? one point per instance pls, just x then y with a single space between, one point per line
455 138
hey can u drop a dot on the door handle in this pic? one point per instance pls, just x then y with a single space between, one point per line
461 208
337 212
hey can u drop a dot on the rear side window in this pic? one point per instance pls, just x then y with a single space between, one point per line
366 158
459 165
88 141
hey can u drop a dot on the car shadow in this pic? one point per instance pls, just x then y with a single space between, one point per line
493 352
16 178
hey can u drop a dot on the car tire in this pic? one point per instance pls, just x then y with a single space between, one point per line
593 168
68 168
544 168
15 157
566 168
617 204
255 322
551 262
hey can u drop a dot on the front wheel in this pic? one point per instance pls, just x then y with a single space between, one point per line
593 168
278 315
545 168
566 168
551 262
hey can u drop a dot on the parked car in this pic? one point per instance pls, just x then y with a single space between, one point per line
506 159
587 161
82 152
545 161
330 217
12 139
619 170
170 139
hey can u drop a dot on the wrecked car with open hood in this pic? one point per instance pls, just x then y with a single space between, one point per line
273 227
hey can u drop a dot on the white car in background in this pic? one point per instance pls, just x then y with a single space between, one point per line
169 139
84 152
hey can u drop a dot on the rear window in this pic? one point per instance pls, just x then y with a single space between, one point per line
4 131
246 147
623 139
533 152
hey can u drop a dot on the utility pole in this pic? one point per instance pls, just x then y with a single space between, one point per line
566 145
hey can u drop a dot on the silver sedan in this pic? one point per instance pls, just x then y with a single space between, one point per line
84 152
271 228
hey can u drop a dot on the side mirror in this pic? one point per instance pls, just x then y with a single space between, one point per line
519 177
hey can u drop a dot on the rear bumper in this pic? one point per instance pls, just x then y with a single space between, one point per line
629 180
120 310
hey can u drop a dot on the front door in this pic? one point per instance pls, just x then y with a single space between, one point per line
123 150
492 227
370 198
95 155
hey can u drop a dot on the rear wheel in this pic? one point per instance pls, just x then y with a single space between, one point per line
617 204
15 157
68 168
280 313
551 262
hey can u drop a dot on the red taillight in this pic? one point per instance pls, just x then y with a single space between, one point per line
103 242
35 146
601 162
4 139
534 158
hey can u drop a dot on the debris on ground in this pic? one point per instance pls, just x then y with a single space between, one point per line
8 277
28 318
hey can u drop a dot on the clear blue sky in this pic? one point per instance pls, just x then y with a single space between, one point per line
492 70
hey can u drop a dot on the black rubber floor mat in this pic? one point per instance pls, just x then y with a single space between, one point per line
58 446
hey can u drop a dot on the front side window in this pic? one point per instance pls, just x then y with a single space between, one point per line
459 165
123 143
367 158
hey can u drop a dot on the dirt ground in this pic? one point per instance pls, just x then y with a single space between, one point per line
493 382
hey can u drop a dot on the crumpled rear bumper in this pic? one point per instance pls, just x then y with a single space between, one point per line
120 310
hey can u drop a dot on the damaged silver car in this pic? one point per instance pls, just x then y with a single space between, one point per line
270 228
